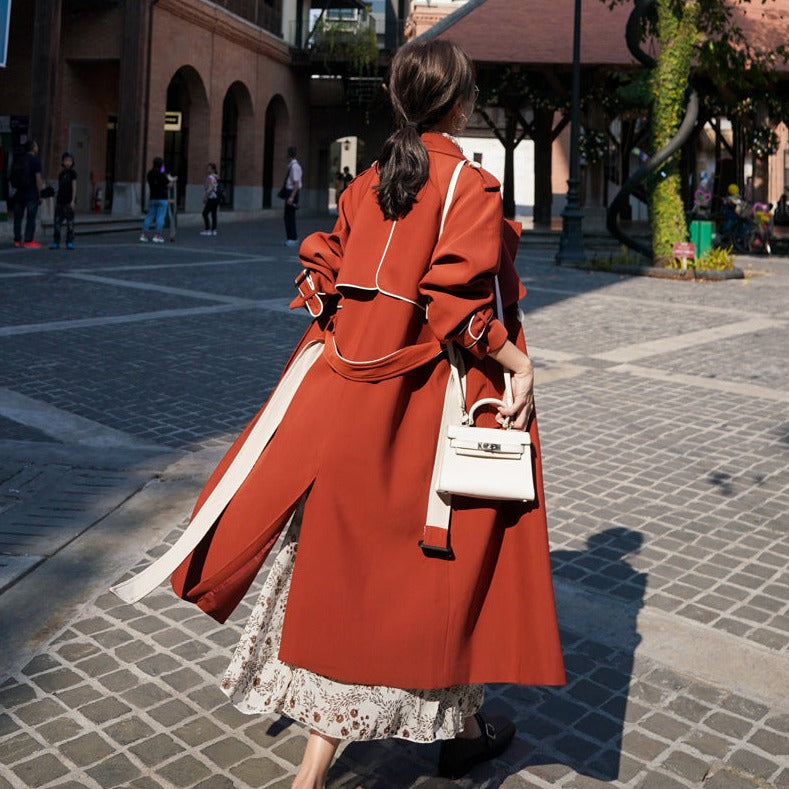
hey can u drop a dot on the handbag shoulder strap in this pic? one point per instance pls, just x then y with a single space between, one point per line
450 194
457 368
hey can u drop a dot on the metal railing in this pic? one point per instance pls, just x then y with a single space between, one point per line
266 15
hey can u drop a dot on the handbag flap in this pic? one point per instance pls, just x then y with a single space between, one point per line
488 440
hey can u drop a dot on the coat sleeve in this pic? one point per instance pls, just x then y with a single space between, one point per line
321 256
458 286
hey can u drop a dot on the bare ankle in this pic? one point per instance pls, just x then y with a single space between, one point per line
314 767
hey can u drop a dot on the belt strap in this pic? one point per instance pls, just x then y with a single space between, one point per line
435 537
397 363
143 583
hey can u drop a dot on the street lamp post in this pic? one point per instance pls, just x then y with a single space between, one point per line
571 243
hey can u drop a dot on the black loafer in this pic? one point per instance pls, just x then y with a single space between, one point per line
458 756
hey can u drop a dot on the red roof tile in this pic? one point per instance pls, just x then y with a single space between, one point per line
541 31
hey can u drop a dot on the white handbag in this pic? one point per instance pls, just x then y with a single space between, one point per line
484 462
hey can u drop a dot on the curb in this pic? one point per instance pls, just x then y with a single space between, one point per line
690 274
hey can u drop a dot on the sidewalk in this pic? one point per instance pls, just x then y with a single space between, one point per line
663 408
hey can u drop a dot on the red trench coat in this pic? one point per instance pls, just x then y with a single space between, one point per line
365 604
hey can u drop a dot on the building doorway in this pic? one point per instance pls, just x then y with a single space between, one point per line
79 147
109 164
176 133
274 146
227 160
345 154
185 149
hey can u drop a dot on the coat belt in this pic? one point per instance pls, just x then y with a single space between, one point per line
390 366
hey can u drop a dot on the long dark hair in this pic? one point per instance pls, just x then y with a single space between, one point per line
426 80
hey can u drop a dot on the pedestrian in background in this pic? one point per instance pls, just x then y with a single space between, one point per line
290 192
158 181
367 627
65 202
25 178
345 177
210 200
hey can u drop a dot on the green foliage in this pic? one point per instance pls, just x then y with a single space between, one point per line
699 37
716 259
669 80
632 91
624 257
592 145
515 87
763 141
352 41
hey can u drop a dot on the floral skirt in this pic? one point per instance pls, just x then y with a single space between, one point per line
257 682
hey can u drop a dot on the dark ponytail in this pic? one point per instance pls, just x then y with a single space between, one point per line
426 80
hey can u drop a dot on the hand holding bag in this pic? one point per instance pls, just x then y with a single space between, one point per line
484 462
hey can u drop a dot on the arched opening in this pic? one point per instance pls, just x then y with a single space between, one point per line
345 156
237 135
185 154
274 147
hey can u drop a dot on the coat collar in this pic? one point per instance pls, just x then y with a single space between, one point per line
438 143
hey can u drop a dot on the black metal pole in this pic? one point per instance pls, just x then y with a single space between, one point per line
571 243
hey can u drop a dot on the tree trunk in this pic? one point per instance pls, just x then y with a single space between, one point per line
677 35
508 195
543 174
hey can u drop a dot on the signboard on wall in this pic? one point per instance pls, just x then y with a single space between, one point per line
172 121
5 23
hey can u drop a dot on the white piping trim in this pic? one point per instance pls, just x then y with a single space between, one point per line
378 271
364 361
309 280
471 333
447 203
386 249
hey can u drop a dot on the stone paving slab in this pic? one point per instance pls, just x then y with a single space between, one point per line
250 278
14 431
666 498
183 392
748 359
591 323
764 292
54 297
708 523
127 692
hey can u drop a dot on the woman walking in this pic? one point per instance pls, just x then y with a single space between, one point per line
210 200
377 621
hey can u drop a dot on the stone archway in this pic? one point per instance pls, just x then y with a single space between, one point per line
186 135
238 134
275 145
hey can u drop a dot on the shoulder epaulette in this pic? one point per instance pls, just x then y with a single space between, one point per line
489 182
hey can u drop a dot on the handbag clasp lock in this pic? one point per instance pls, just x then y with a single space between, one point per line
487 447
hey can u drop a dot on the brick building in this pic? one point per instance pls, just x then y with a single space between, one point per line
234 82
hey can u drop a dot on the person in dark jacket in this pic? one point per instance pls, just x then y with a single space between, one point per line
27 197
158 180
65 201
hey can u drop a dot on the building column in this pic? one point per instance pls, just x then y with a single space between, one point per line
132 102
43 89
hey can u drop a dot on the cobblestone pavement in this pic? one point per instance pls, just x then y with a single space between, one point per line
664 410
